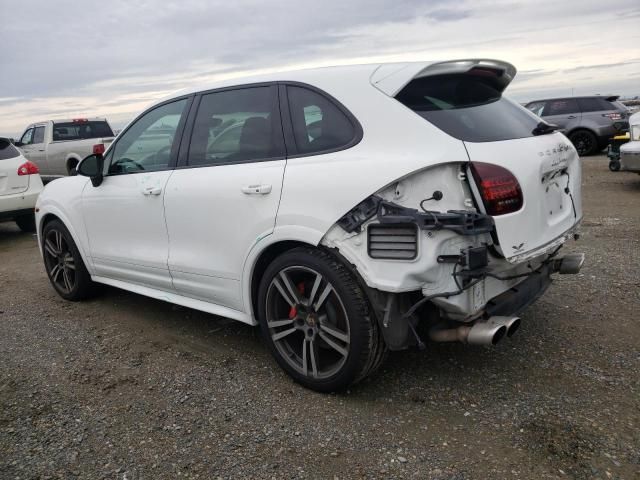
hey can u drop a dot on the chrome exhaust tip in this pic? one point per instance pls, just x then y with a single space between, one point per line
488 332
511 323
569 264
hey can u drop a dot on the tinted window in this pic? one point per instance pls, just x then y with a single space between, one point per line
81 130
562 106
27 137
7 150
147 144
318 124
236 126
38 135
595 105
469 108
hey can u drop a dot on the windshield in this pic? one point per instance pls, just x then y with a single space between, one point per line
468 107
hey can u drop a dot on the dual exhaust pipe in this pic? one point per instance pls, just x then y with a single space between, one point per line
485 332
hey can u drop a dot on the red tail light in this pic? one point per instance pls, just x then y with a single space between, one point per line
28 168
98 149
613 116
499 189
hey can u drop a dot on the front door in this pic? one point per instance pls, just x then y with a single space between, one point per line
563 112
124 216
224 197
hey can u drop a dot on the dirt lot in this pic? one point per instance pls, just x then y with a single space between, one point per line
128 387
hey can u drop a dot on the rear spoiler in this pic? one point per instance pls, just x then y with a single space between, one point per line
393 77
612 98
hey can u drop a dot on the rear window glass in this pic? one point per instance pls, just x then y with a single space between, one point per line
318 125
81 130
469 108
7 150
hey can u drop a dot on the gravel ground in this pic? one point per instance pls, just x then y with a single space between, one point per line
125 387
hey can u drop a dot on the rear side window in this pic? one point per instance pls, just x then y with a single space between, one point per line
236 126
595 105
468 107
318 124
7 150
38 135
562 106
81 130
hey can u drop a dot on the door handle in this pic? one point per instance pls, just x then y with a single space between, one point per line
256 189
152 191
572 116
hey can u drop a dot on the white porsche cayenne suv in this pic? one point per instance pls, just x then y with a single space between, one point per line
346 210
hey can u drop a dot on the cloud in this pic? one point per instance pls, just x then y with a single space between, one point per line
115 57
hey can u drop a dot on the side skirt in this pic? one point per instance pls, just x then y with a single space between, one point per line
178 299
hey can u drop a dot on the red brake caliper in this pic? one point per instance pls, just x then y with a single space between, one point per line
294 311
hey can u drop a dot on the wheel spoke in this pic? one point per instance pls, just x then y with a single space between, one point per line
323 296
290 287
58 239
67 281
281 335
284 294
50 248
334 332
70 263
341 350
305 368
55 272
280 323
313 351
314 289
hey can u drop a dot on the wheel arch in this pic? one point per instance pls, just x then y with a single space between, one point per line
54 215
71 158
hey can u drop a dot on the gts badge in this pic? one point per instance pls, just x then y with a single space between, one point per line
518 248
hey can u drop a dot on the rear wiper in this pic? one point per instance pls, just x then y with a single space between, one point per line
543 128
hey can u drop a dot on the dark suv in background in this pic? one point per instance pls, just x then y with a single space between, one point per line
589 122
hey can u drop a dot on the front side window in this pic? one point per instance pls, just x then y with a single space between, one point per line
537 108
38 135
318 124
27 137
563 106
148 143
236 126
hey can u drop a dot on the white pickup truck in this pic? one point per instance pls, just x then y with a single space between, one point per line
57 146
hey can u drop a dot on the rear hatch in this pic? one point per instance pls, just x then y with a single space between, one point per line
522 172
10 160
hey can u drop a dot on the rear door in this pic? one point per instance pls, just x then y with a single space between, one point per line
10 160
564 112
224 195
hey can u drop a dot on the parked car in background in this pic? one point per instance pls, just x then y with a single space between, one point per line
57 146
589 122
20 185
344 210
630 152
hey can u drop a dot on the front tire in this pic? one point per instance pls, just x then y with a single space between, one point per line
26 223
614 166
317 321
63 263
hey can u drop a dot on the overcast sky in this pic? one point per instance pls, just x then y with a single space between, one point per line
61 59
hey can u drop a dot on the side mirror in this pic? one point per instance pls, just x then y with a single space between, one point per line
91 167
18 144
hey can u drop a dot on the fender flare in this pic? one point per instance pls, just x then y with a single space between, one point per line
59 214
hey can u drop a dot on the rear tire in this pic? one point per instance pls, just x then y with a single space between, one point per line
26 223
614 166
584 141
63 263
317 321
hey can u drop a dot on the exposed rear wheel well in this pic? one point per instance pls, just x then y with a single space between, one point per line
266 257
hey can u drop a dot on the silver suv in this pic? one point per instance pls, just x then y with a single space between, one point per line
589 122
